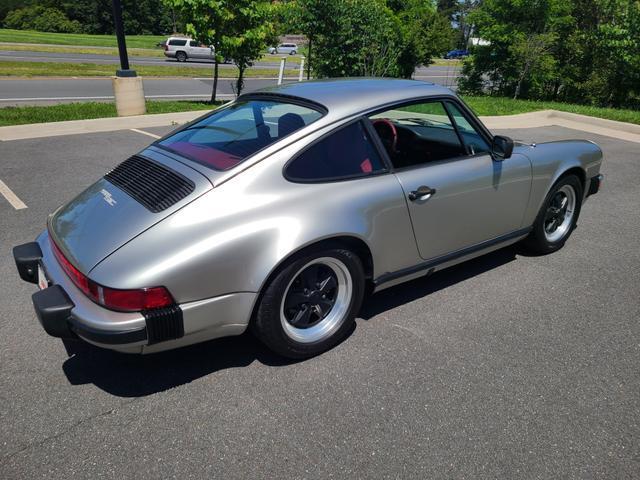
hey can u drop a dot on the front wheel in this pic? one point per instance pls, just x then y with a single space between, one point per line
311 303
557 217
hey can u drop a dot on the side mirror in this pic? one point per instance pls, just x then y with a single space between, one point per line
501 147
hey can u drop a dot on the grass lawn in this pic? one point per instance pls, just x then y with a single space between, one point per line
54 69
27 36
133 52
507 106
481 105
83 111
443 62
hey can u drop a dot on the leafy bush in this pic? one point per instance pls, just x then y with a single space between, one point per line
42 19
368 37
580 51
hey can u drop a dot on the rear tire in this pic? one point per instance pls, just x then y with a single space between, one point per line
181 56
557 217
311 303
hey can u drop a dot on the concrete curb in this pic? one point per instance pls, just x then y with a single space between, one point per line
544 118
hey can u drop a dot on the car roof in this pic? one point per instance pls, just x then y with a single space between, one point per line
347 96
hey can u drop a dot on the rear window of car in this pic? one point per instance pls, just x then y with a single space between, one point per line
230 135
179 43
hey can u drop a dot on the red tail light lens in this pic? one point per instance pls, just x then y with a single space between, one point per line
111 298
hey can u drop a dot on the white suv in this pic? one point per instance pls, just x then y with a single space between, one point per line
182 48
290 48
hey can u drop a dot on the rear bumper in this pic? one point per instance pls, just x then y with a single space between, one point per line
65 312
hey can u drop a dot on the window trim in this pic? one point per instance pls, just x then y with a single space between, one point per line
476 129
321 109
342 178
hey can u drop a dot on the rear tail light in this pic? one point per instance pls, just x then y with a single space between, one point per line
166 47
111 298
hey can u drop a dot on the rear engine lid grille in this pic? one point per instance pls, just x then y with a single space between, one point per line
153 185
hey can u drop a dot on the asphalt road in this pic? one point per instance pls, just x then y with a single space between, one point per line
508 366
64 90
51 91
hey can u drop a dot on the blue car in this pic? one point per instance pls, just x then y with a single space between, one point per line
457 54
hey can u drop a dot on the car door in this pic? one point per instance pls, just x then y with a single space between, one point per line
458 196
198 50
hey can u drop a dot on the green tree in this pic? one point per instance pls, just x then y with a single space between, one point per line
209 22
515 29
368 37
427 34
584 51
252 30
43 19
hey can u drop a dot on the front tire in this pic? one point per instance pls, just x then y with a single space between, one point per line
311 303
557 217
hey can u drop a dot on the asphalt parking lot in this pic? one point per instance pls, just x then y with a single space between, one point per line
508 366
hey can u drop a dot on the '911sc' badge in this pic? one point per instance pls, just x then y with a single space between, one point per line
106 195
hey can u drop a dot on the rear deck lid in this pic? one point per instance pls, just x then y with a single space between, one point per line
134 196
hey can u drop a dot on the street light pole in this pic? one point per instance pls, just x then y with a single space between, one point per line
122 46
127 86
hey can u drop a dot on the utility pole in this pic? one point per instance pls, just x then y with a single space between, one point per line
127 86
122 46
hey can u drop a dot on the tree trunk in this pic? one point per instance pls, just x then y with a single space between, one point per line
240 81
215 81
309 61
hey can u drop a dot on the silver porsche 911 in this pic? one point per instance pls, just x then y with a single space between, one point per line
279 211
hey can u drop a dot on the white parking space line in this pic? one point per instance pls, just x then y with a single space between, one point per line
153 135
11 197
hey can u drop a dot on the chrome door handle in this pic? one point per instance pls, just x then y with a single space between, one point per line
422 193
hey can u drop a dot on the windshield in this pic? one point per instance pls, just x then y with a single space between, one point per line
228 136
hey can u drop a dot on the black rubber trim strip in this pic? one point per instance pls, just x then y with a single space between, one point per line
108 337
434 262
594 185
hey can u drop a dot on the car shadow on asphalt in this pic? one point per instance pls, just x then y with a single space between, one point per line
126 375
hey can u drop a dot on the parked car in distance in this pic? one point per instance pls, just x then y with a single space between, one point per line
182 48
283 209
456 54
286 48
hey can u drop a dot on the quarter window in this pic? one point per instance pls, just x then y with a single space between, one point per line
417 134
178 43
343 154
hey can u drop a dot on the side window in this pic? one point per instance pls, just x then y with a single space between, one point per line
417 134
178 43
473 140
343 154
193 43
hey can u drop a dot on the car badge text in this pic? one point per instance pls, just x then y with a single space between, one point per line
106 195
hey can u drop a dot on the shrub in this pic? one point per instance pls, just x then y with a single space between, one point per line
43 19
